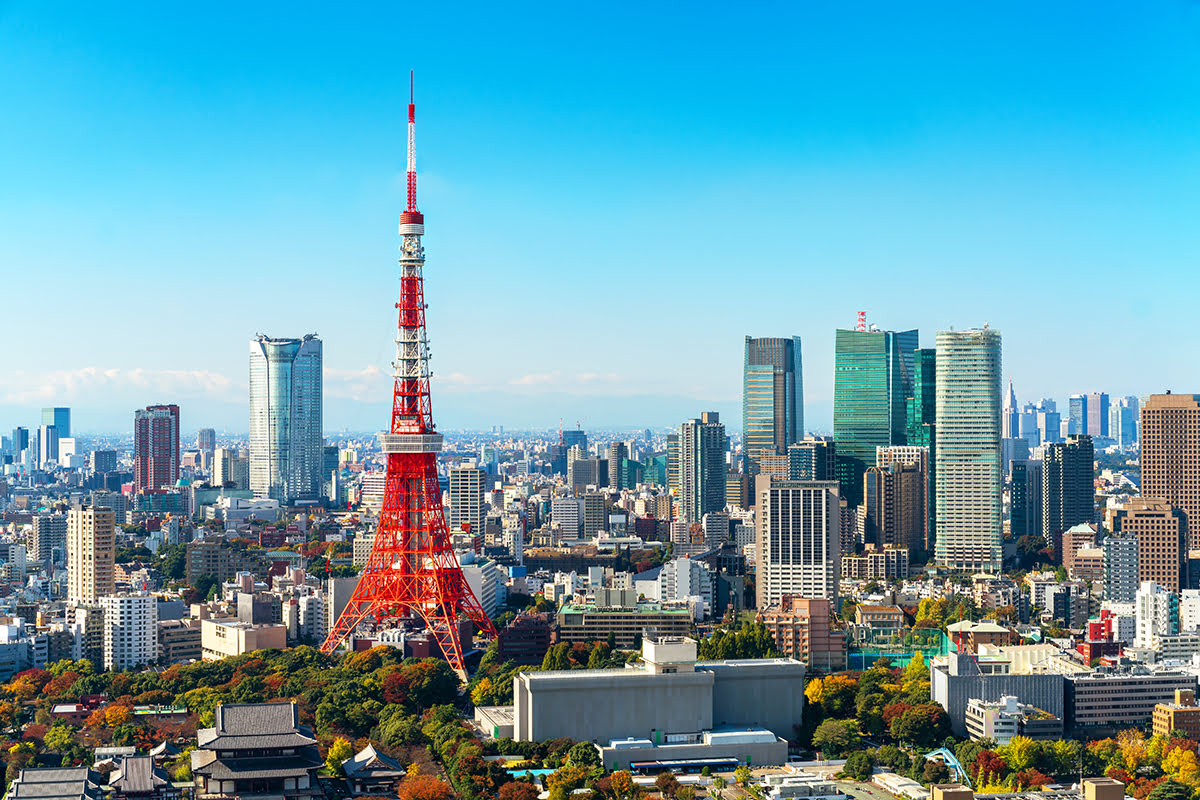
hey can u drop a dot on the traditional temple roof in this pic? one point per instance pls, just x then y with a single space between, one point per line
369 762
250 726
75 783
138 775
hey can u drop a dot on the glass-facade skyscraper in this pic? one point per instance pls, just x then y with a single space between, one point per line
286 439
60 418
772 397
967 463
872 381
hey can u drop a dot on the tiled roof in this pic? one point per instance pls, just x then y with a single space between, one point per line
75 783
369 760
276 767
255 725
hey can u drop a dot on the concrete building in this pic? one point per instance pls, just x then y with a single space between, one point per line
47 536
672 707
1181 715
231 468
221 638
626 621
702 448
803 628
179 641
1170 456
958 678
1161 532
467 510
1121 567
887 564
967 470
155 447
682 578
130 631
91 542
1000 721
1157 614
1126 699
799 539
895 502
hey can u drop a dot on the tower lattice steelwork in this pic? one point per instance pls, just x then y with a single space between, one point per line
413 571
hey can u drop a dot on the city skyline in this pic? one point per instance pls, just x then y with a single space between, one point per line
1053 160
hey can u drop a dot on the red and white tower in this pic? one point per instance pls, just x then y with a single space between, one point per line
413 571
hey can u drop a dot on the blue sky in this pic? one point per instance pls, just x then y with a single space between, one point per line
615 196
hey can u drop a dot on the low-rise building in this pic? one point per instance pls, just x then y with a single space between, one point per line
1122 699
179 641
803 628
587 622
1181 715
672 707
221 638
1008 717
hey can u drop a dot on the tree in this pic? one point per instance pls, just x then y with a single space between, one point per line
935 772
742 775
59 738
859 765
339 751
833 738
425 787
667 783
924 725
719 783
1021 753
1170 790
623 787
584 755
518 790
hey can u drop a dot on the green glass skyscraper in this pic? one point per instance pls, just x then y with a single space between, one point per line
872 380
772 398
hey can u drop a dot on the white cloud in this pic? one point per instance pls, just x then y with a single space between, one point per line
25 388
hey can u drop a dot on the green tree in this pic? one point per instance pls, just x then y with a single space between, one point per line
59 739
1170 790
339 751
859 765
584 755
834 738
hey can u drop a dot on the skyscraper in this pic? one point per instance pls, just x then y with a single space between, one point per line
799 539
618 454
60 418
467 509
91 542
47 446
1122 421
155 447
286 440
1170 439
772 397
967 462
873 377
921 405
206 440
1077 416
1068 493
573 438
1049 421
909 467
702 447
1010 420
1097 415
1025 497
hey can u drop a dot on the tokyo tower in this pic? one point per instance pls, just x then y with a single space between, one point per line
413 571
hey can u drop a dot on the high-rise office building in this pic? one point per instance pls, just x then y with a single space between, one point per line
1077 416
894 506
1161 532
772 397
1049 421
467 510
231 466
206 440
618 454
595 513
910 470
91 541
872 379
812 460
673 484
20 442
155 447
576 437
60 418
1025 497
702 447
967 462
1122 421
47 446
286 440
101 461
1170 441
1097 415
921 405
1068 489
799 539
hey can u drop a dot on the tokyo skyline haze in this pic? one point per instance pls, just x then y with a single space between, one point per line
614 198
